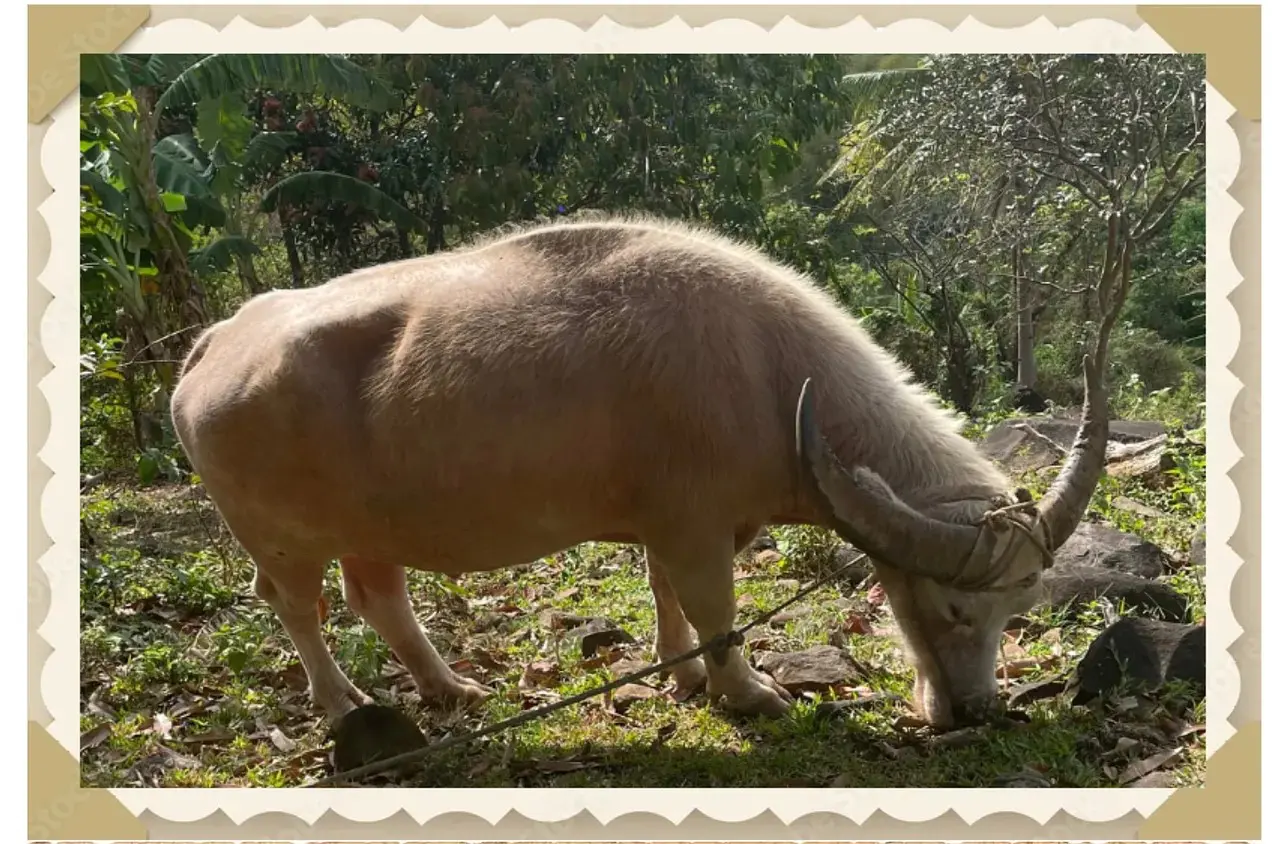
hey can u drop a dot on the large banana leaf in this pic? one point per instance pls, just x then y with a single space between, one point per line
331 75
327 187
217 255
870 85
103 72
268 150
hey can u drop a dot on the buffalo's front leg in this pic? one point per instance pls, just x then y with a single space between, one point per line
673 635
700 570
377 592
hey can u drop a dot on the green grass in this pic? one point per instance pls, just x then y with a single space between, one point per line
188 680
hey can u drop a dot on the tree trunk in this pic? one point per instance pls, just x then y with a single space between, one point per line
178 284
247 274
293 256
436 230
1026 363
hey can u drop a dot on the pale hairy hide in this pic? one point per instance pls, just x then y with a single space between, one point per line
487 406
626 380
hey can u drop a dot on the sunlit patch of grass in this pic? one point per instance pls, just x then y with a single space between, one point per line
170 628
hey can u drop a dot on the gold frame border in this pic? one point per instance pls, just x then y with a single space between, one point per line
1228 807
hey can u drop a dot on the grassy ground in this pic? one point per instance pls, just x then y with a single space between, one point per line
188 680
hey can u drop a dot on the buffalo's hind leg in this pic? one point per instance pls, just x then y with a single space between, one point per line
377 592
700 570
293 589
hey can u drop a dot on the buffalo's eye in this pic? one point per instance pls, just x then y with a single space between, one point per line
1029 582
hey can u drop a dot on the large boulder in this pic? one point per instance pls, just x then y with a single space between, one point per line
1019 447
1037 442
1140 655
1100 546
1071 588
1063 427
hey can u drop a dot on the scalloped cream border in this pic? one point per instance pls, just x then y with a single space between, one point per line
59 326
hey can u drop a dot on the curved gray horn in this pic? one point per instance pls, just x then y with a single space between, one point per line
865 512
1062 507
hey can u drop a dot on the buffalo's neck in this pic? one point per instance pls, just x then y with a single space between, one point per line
927 463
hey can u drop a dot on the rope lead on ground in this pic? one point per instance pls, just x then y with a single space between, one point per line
718 644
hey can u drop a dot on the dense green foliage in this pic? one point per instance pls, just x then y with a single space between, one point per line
940 198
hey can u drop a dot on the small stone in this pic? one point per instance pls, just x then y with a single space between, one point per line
599 633
1197 549
788 615
1028 693
814 670
1143 653
371 733
768 557
764 542
1019 447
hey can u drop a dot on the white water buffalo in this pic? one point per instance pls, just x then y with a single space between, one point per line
627 381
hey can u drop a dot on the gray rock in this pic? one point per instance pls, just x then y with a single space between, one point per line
814 670
1070 588
1100 546
1036 442
854 575
1143 654
1143 459
1019 447
1197 549
371 733
764 542
1063 427
599 633
1027 693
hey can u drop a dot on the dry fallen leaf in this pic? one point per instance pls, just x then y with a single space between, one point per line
564 595
161 726
876 597
282 742
95 736
1125 747
540 674
1020 667
1146 766
294 677
1190 730
858 625
209 737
